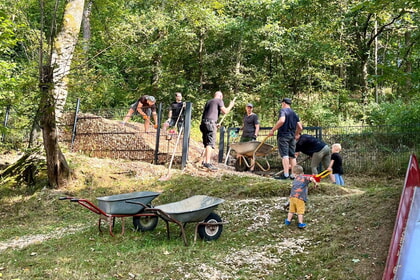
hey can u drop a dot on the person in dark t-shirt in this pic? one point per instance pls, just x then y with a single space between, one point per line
318 150
176 113
208 126
287 126
251 125
336 165
145 106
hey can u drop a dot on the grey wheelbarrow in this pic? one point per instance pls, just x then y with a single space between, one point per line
118 206
198 209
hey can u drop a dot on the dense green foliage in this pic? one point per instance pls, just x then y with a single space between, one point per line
341 63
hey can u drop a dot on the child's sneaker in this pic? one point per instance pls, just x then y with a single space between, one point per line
301 225
287 222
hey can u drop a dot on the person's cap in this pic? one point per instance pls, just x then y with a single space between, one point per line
249 105
151 98
287 101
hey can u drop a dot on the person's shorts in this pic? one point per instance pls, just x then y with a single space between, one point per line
208 129
147 111
286 145
296 206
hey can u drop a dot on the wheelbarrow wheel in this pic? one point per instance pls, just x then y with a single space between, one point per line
211 232
240 164
145 223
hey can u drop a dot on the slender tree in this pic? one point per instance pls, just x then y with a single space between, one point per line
53 72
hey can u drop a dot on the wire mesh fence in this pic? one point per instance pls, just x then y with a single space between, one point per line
371 150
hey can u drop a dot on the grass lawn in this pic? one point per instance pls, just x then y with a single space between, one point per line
348 233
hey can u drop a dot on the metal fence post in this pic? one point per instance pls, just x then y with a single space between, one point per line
73 133
186 138
221 143
156 158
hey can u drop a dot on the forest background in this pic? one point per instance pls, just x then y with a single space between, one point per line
342 62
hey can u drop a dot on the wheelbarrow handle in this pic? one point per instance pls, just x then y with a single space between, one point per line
262 143
69 198
324 174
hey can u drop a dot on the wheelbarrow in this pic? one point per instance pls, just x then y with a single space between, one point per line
195 209
247 154
116 206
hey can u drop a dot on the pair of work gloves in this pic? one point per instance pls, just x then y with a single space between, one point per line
145 117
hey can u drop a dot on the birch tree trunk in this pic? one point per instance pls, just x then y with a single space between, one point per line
53 85
86 27
64 45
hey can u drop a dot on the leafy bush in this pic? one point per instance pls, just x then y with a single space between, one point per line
395 113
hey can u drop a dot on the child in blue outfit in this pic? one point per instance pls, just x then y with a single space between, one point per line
298 196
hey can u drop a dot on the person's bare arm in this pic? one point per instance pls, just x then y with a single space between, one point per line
299 128
227 110
331 164
140 110
257 129
278 124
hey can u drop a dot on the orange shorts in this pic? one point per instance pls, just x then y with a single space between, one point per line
296 206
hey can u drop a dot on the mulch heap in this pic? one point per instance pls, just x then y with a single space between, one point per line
101 137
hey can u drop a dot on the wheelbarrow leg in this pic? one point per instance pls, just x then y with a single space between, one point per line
111 221
182 232
196 232
122 226
168 235
99 225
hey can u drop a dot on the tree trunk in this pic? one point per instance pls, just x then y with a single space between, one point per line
86 27
64 45
57 167
238 68
53 86
200 59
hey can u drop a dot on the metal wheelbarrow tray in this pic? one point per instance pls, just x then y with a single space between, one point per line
119 206
248 152
195 209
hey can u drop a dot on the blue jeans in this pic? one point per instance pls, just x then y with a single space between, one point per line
339 179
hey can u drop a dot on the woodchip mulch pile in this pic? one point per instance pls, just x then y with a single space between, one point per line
101 137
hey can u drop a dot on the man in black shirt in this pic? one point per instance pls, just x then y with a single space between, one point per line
315 148
287 126
145 106
251 125
208 126
176 113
